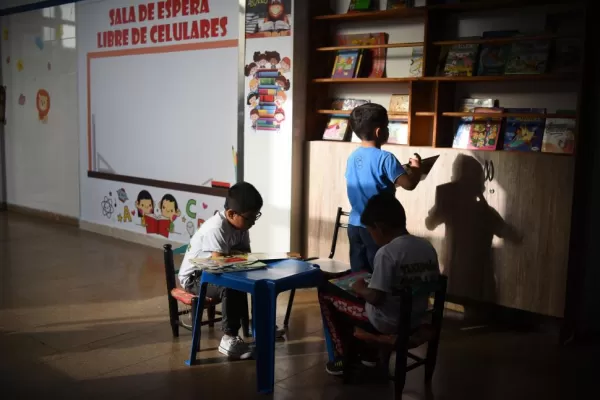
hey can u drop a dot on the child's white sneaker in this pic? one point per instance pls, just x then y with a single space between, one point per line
235 347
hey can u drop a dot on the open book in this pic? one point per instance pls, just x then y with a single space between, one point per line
157 224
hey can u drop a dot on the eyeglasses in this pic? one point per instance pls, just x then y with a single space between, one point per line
258 215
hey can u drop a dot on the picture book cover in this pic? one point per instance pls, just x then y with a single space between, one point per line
157 224
524 134
360 5
485 130
347 104
346 64
461 138
395 4
559 136
398 132
568 54
336 128
416 62
399 103
493 56
528 57
461 59
346 281
377 57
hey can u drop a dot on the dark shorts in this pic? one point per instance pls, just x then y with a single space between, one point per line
362 249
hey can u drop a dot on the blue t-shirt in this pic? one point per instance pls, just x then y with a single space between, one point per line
369 171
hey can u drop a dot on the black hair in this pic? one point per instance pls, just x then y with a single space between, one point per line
251 95
365 119
145 195
259 56
384 210
243 197
169 197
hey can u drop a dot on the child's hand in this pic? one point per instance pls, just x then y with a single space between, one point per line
415 162
359 285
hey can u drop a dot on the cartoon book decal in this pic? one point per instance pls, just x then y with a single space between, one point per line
157 224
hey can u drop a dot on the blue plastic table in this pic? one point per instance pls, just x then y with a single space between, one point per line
264 285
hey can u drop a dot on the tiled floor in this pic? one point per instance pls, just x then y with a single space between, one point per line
85 316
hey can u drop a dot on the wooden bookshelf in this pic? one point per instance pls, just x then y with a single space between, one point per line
364 80
507 114
348 112
372 46
530 191
374 15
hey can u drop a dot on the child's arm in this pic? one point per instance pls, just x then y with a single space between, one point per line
371 296
410 181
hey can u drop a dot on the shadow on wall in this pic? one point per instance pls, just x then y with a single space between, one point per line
471 224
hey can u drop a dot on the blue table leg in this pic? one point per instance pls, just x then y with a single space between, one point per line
196 332
264 325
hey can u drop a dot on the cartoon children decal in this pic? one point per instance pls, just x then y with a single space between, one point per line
280 98
282 82
253 100
274 58
251 69
253 85
268 84
260 59
170 210
144 205
279 115
285 65
254 117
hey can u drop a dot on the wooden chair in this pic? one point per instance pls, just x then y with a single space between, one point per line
324 263
408 338
177 295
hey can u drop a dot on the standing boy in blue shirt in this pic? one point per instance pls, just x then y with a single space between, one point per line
371 171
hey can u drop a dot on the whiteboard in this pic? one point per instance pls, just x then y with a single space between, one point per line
167 116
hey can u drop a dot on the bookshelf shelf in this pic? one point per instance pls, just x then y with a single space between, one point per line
364 80
502 78
510 39
424 113
372 46
503 115
375 15
500 4
347 112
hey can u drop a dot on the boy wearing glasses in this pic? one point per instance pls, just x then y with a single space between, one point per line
223 234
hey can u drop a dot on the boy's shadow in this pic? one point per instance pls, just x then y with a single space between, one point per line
471 224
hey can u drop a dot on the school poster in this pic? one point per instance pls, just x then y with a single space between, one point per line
268 18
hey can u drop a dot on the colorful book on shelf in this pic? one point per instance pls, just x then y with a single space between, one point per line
524 133
461 59
336 128
485 131
559 135
360 5
398 131
399 103
347 64
416 62
157 224
528 57
377 57
347 104
493 56
463 132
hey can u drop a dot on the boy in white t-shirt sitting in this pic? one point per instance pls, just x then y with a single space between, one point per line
403 259
222 234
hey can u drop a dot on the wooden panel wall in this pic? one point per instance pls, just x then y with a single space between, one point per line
503 241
